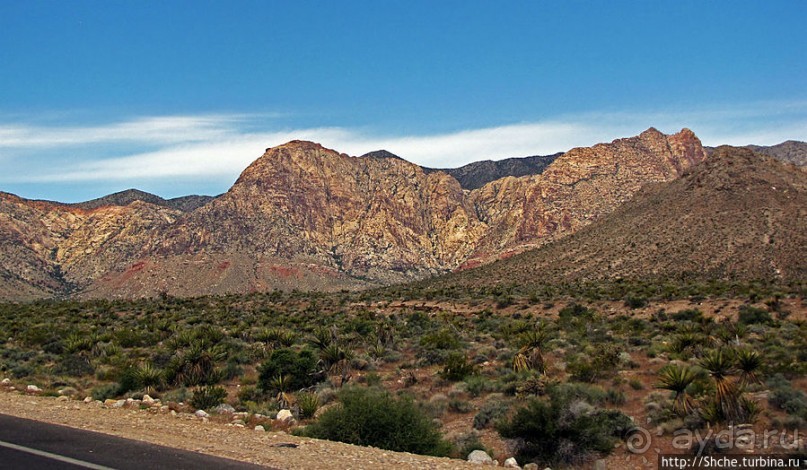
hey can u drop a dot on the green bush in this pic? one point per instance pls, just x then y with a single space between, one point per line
635 302
457 367
563 431
104 392
210 396
298 370
490 413
74 365
371 417
750 315
441 340
787 398
694 315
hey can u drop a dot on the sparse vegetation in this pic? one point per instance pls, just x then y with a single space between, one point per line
458 359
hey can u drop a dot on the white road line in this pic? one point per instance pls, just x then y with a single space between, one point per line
58 457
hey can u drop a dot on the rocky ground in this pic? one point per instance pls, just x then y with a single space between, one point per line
158 425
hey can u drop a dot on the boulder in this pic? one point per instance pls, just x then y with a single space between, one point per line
285 416
33 389
201 414
480 457
600 465
511 463
224 408
260 428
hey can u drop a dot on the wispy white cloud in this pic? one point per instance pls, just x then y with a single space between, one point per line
221 146
154 130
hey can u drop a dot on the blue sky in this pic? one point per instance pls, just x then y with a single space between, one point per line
178 97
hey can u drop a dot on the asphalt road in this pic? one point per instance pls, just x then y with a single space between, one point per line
27 444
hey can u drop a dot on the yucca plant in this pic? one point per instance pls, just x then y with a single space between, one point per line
530 354
322 337
308 403
719 363
281 384
748 362
148 377
335 360
196 366
677 379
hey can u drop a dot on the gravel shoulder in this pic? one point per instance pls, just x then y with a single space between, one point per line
185 431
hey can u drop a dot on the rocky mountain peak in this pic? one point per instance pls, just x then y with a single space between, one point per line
381 154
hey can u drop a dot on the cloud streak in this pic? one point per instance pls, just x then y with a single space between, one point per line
220 146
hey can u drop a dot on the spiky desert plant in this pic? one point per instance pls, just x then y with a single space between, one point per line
308 403
530 354
719 363
196 366
148 377
676 379
281 384
335 360
322 337
748 362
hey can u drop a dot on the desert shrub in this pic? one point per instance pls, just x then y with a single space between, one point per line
179 395
104 392
635 384
457 367
458 405
372 417
600 364
751 315
562 430
442 340
207 397
694 315
475 385
615 397
74 365
573 311
249 393
296 368
491 412
635 302
787 398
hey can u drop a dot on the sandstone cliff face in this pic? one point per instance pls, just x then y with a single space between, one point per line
379 218
306 216
577 188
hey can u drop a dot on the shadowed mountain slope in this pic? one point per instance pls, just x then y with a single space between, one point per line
477 174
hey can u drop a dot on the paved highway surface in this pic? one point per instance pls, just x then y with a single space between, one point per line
27 444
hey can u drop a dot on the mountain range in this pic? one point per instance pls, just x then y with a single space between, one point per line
737 216
303 216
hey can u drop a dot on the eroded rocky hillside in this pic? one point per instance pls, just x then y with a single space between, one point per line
303 216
